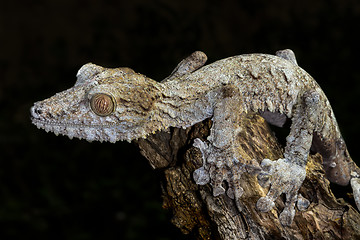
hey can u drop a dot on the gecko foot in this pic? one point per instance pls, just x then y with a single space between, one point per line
285 177
219 165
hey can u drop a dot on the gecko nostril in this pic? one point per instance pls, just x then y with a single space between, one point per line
35 111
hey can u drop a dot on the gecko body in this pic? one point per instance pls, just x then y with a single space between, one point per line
119 104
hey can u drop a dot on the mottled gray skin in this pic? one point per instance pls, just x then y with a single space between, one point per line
119 104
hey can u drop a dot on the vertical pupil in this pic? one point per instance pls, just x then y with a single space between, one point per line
102 104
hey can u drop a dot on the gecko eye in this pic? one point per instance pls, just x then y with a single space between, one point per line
102 104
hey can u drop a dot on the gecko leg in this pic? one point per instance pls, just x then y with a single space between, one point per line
220 161
286 175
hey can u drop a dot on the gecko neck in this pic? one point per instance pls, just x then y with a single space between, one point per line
162 117
167 114
172 110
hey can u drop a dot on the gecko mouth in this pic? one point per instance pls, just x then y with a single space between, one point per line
40 123
81 131
109 132
38 118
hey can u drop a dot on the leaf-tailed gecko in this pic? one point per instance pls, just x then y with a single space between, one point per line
119 104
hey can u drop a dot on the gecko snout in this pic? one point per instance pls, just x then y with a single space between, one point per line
35 112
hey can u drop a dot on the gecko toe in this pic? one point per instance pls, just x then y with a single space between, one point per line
201 176
265 204
302 203
218 191
264 179
287 216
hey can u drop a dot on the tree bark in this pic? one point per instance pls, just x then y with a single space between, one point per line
196 211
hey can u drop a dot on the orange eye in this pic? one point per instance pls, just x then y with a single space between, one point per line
102 104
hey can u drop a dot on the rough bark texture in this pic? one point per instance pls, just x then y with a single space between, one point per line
196 211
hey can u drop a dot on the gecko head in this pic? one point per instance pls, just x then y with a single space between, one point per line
337 166
104 105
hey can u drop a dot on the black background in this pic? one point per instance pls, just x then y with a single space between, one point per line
55 188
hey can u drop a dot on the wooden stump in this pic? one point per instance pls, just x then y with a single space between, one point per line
196 211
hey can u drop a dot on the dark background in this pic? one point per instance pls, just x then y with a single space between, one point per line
55 188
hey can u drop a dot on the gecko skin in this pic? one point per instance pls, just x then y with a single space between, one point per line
119 104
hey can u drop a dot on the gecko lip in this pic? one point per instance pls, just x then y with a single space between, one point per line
38 118
41 123
78 130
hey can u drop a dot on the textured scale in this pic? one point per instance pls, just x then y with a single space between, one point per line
118 104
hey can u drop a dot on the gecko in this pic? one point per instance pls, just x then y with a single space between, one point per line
118 104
